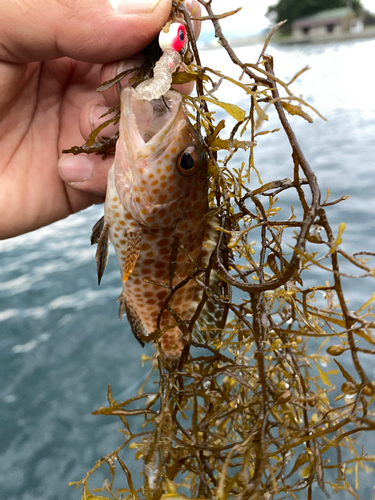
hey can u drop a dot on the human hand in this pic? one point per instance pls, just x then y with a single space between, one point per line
53 55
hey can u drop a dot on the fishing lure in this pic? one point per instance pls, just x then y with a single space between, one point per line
171 42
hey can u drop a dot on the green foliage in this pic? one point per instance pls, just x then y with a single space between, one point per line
292 10
256 411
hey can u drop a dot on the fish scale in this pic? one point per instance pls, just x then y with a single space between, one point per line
155 203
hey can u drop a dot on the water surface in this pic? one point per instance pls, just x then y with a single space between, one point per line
61 342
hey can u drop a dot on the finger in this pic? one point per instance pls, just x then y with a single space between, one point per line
111 70
86 173
92 116
194 7
89 30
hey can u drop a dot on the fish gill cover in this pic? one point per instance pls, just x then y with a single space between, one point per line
260 407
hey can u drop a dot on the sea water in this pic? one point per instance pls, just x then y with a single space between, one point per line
61 343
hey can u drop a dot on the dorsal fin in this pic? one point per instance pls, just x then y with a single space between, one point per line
101 257
96 230
214 315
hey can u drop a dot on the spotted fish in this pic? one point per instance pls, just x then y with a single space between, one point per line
155 210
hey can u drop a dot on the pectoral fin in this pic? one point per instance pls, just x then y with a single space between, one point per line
132 252
101 256
136 325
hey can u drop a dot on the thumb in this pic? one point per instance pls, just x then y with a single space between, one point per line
95 31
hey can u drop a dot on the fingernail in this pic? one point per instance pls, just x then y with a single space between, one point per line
125 65
96 113
75 168
134 6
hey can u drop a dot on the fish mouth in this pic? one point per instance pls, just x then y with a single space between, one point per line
149 125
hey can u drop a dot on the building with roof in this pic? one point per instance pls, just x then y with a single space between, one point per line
327 24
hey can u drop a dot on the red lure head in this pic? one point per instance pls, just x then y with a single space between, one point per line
174 39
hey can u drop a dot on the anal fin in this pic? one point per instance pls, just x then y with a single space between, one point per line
136 325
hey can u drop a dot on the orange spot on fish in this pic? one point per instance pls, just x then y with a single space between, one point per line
167 157
163 198
137 199
115 198
142 189
122 242
145 246
148 262
115 235
116 214
164 242
168 168
178 300
159 171
172 177
162 177
128 216
173 150
151 176
135 188
170 188
122 223
156 190
153 183
144 211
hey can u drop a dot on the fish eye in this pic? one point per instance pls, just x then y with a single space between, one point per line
187 162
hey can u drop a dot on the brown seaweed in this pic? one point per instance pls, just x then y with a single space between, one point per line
253 411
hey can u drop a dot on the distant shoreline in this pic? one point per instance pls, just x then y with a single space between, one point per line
260 39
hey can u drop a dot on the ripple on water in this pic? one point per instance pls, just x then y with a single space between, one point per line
61 341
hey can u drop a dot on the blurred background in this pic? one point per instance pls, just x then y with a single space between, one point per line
61 343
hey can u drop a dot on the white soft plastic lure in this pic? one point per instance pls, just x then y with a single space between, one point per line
171 42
